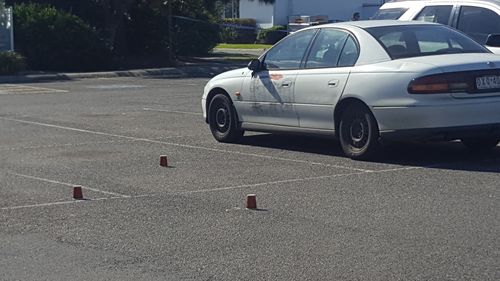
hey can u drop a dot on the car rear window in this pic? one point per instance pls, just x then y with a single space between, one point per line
405 41
389 14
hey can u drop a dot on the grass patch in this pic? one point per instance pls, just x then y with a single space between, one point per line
243 46
239 59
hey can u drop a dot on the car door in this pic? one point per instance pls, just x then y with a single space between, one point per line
479 23
272 88
321 81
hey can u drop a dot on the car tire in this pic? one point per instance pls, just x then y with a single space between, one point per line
358 132
480 144
223 119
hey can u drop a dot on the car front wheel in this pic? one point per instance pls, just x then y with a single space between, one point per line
223 119
358 132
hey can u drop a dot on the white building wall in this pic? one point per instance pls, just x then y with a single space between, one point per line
262 13
341 10
282 10
335 9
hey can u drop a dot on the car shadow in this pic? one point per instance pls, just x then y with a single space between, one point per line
441 155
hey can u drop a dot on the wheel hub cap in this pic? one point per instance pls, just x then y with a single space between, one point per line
357 131
221 117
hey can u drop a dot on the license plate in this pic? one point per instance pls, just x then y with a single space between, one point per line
488 82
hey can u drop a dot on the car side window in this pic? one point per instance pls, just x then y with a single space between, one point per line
288 54
478 22
350 53
439 14
326 49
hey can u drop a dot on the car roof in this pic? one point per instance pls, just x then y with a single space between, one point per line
375 23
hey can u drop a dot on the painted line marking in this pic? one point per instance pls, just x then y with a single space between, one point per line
69 202
69 184
173 111
299 180
270 183
184 145
44 204
208 190
116 87
25 89
7 148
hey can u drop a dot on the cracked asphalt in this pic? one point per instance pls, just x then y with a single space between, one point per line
421 212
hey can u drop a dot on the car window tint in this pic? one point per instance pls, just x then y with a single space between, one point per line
349 54
429 42
394 41
478 22
326 49
439 14
423 40
389 14
289 52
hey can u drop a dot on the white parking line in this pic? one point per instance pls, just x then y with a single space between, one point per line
42 205
300 180
69 184
211 190
270 183
184 145
8 89
8 148
116 87
173 111
68 202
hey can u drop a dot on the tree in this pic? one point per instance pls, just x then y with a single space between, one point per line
113 20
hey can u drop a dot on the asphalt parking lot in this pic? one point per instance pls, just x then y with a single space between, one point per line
420 212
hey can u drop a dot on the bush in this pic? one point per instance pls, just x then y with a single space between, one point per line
272 35
51 39
194 38
240 31
11 62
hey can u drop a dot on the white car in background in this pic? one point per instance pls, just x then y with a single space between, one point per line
362 82
480 19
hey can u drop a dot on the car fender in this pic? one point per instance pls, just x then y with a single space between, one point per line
230 83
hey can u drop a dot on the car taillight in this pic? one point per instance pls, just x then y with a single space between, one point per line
440 83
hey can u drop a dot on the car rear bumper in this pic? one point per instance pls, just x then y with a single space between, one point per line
439 122
444 134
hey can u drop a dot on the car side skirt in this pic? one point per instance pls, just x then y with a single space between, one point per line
258 127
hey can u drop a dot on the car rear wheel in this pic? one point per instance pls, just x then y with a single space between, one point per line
223 120
358 132
481 144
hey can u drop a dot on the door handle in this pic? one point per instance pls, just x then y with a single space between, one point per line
333 83
286 84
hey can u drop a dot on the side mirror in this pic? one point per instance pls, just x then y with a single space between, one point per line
493 40
254 65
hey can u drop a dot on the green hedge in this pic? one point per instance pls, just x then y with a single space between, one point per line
51 39
194 38
272 35
243 32
11 62
147 34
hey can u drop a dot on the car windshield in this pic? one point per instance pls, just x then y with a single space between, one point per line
389 14
405 41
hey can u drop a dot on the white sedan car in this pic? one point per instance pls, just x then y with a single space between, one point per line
363 82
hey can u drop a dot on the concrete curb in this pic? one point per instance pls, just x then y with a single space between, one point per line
169 72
